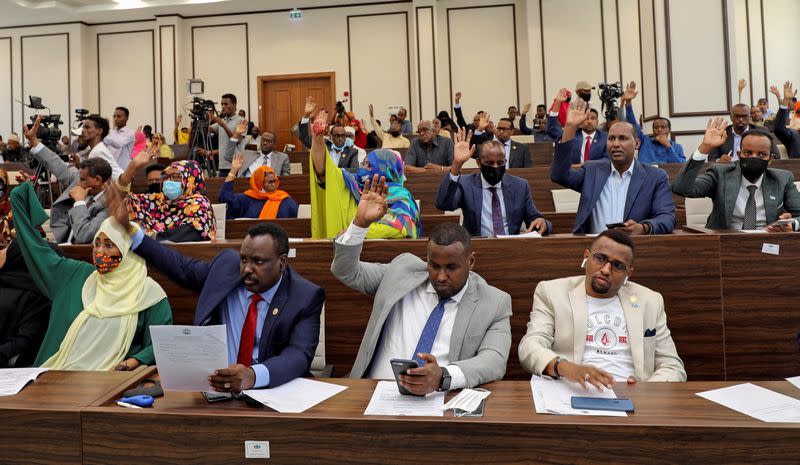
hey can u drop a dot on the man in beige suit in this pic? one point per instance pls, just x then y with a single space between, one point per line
598 328
440 313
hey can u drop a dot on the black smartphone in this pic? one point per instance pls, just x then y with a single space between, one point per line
399 367
615 225
212 396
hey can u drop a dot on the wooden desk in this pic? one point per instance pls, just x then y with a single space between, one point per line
671 425
301 227
42 423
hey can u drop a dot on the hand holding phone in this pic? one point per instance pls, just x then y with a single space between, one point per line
615 225
399 367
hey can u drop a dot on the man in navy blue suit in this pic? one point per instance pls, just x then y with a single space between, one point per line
619 191
272 313
590 142
493 203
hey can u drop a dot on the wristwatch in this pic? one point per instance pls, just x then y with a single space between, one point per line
555 367
446 379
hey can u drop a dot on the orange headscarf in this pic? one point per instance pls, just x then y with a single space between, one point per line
273 199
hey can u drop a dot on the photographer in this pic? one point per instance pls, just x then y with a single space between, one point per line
76 215
227 120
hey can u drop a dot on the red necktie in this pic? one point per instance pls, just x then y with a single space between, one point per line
249 333
588 148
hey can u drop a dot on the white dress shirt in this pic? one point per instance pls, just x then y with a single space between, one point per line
610 207
260 160
737 220
100 150
487 225
120 143
403 327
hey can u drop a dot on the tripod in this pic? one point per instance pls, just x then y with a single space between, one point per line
201 140
42 184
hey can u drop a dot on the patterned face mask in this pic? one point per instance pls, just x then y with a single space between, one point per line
106 263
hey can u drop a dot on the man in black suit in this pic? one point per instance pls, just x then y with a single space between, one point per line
344 156
740 116
517 155
789 137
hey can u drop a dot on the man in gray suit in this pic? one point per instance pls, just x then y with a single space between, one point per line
441 313
266 155
77 213
747 194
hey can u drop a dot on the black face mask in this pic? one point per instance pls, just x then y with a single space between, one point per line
394 133
586 97
493 175
753 167
154 188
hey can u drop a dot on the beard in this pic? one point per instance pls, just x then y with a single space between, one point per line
599 288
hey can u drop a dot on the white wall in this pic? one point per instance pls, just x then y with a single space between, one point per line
492 51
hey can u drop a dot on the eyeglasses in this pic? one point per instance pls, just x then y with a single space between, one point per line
602 259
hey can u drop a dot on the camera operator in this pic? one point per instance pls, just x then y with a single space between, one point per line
227 120
120 141
14 151
77 213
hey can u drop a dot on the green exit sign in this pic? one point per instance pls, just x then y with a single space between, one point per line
295 14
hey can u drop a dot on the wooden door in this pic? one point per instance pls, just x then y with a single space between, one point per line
282 98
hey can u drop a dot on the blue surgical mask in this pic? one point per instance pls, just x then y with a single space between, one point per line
172 189
348 142
337 148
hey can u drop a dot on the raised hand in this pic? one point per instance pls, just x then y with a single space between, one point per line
630 92
146 157
372 205
178 120
577 114
371 111
788 93
117 206
310 107
320 123
742 85
458 97
462 151
773 89
484 121
715 135
241 128
237 163
562 95
31 134
526 108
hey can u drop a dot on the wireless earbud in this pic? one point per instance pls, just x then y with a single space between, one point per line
626 281
583 263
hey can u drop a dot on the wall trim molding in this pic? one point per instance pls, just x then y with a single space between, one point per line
419 62
22 73
655 59
174 72
10 78
152 55
246 51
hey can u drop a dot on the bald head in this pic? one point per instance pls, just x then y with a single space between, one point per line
425 131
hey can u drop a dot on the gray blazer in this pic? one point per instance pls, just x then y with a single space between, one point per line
279 159
721 183
83 220
481 336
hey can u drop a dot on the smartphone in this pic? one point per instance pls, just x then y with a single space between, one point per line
399 367
615 225
596 403
212 396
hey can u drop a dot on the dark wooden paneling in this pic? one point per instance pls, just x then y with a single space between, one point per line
671 425
691 290
301 227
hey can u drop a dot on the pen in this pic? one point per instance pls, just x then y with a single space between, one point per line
127 405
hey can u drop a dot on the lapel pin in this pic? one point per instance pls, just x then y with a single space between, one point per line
275 312
772 197
634 301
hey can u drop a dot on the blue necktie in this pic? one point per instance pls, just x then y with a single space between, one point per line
428 335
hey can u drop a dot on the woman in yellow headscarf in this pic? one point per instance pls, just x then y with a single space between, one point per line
101 313
263 200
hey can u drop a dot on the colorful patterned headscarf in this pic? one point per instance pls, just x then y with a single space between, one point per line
403 213
156 213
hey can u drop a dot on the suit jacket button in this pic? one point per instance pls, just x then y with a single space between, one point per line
274 311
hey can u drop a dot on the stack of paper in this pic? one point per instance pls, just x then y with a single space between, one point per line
12 380
519 236
757 402
795 380
555 397
187 355
295 396
387 400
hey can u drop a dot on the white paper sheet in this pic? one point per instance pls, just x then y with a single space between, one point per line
387 400
187 355
295 396
555 397
519 236
12 380
795 380
757 402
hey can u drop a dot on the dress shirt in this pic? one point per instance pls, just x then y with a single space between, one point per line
737 220
336 155
403 327
439 152
234 312
610 207
261 160
506 149
100 150
737 142
487 226
586 136
120 143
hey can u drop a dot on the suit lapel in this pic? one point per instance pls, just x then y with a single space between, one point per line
512 158
274 311
637 180
733 180
769 188
477 199
634 322
577 302
469 302
508 200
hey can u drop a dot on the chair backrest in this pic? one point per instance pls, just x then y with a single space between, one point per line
471 163
457 213
220 211
566 200
297 168
784 155
304 210
697 211
318 363
797 185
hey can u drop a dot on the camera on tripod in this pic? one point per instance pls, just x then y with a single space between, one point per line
48 133
609 92
200 109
